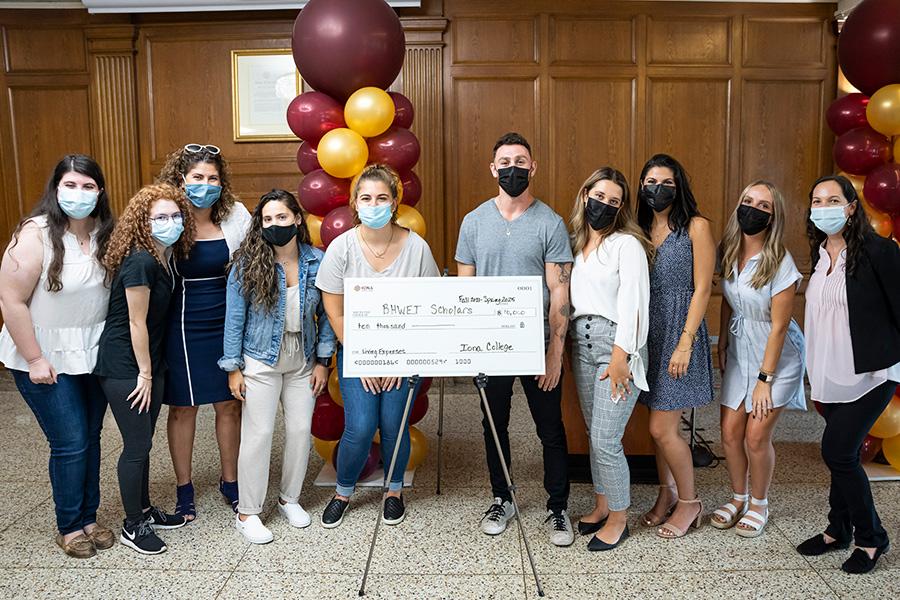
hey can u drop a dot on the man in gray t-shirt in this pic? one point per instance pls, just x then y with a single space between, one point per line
514 233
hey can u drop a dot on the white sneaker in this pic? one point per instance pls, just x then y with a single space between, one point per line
253 530
561 533
497 516
295 514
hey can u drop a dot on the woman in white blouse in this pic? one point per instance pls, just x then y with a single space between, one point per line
610 295
760 351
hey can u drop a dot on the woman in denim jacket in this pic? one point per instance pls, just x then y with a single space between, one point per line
278 344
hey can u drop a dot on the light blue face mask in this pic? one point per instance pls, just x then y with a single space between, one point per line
76 203
202 195
829 219
168 233
376 216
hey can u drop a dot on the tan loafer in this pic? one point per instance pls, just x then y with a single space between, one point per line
102 537
79 547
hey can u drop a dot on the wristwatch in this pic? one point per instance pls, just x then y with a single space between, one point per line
766 377
325 361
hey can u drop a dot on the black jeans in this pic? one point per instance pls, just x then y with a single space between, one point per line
137 440
852 511
547 415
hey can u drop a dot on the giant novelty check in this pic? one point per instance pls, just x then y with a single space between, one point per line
443 326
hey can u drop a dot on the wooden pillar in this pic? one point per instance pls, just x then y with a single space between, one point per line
114 109
423 84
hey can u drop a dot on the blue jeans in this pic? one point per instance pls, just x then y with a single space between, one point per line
363 414
71 414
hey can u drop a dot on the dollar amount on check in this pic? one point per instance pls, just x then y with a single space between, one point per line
443 326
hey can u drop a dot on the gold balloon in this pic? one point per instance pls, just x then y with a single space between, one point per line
369 111
314 225
409 217
342 153
377 438
891 449
418 448
897 149
858 182
888 424
881 222
324 448
883 111
334 388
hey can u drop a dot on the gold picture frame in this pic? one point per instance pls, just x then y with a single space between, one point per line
263 83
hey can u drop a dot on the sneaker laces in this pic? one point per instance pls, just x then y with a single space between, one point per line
559 521
143 528
495 513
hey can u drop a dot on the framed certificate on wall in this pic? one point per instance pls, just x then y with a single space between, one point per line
263 83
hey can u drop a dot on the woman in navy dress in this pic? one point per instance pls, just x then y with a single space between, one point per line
679 371
196 323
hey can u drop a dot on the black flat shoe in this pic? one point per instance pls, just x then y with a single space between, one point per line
816 546
588 528
334 513
394 511
859 562
598 545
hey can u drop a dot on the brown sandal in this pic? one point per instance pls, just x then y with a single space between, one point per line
671 532
102 537
80 546
650 519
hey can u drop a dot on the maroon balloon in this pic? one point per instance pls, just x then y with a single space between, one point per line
404 113
427 381
327 419
882 188
871 446
307 159
420 407
372 461
396 147
342 45
860 150
819 408
320 193
847 112
335 223
313 114
869 45
412 188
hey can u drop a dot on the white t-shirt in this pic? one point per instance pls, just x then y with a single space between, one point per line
614 282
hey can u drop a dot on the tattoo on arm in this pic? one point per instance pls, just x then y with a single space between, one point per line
565 272
566 310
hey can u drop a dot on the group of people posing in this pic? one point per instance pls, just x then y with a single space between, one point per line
188 299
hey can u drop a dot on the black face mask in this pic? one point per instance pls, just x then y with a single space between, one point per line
752 220
657 196
279 235
599 215
513 180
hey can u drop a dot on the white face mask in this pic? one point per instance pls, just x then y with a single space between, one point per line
829 219
76 203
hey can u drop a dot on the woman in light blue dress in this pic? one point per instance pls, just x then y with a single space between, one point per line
760 351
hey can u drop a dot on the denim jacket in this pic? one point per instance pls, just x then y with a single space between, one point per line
252 330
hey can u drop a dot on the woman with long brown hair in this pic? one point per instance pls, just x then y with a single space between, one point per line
156 224
760 351
53 298
610 295
197 319
278 345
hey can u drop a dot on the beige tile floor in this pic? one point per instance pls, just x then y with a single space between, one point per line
438 552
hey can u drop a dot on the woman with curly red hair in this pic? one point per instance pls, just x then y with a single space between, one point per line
156 224
194 336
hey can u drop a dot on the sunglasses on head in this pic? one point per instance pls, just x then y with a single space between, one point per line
194 148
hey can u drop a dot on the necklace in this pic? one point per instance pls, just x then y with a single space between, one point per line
383 252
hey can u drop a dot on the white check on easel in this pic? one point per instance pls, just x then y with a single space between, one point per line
443 326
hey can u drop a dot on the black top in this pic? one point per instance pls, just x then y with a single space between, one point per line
116 357
873 299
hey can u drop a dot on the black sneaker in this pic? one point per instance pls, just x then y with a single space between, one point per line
141 538
157 519
394 511
334 513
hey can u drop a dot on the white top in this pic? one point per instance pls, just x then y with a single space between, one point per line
293 317
748 333
67 323
829 351
234 226
614 282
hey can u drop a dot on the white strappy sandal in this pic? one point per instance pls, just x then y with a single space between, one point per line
729 513
752 519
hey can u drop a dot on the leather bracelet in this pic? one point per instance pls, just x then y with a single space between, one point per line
145 377
693 336
35 360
